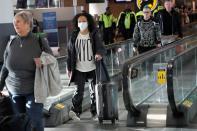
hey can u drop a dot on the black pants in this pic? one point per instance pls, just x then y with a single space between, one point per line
80 78
142 49
1 64
127 34
108 35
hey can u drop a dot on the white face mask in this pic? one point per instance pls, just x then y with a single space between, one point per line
83 25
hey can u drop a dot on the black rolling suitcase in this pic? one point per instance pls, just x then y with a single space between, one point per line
107 102
106 93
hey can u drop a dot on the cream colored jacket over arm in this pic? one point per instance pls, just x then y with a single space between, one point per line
47 79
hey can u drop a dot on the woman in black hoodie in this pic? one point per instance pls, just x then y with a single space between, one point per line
85 47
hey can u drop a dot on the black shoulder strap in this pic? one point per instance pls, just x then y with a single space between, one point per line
10 41
40 43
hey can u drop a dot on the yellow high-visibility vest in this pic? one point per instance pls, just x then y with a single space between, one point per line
107 20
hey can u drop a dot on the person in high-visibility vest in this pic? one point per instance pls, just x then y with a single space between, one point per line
126 23
107 23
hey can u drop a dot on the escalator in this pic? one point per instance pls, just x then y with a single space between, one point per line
182 89
145 84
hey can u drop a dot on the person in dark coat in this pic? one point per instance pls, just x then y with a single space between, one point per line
170 20
84 49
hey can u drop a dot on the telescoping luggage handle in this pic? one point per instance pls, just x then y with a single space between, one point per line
101 72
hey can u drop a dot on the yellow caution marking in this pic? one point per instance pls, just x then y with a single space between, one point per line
59 106
187 103
161 76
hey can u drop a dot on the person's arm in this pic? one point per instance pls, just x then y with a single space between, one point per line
114 20
43 42
158 34
69 59
136 36
3 73
118 24
133 21
45 46
101 23
100 49
37 26
179 27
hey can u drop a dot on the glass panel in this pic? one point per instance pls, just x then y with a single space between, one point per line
147 77
117 55
63 75
184 75
145 84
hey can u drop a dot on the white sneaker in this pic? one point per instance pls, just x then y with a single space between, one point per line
95 118
73 116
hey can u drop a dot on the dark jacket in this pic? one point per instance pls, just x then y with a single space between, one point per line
121 19
170 22
97 47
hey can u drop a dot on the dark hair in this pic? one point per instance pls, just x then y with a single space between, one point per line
90 20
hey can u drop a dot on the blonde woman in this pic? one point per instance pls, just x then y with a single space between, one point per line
18 71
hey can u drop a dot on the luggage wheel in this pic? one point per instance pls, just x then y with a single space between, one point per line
100 121
113 121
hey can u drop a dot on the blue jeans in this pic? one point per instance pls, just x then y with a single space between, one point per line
26 104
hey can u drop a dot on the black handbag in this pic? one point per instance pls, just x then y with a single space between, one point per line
101 72
5 106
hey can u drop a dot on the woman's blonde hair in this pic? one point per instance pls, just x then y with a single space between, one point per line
26 16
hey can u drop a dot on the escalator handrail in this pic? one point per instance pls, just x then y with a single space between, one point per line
143 57
170 85
108 47
150 53
113 45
